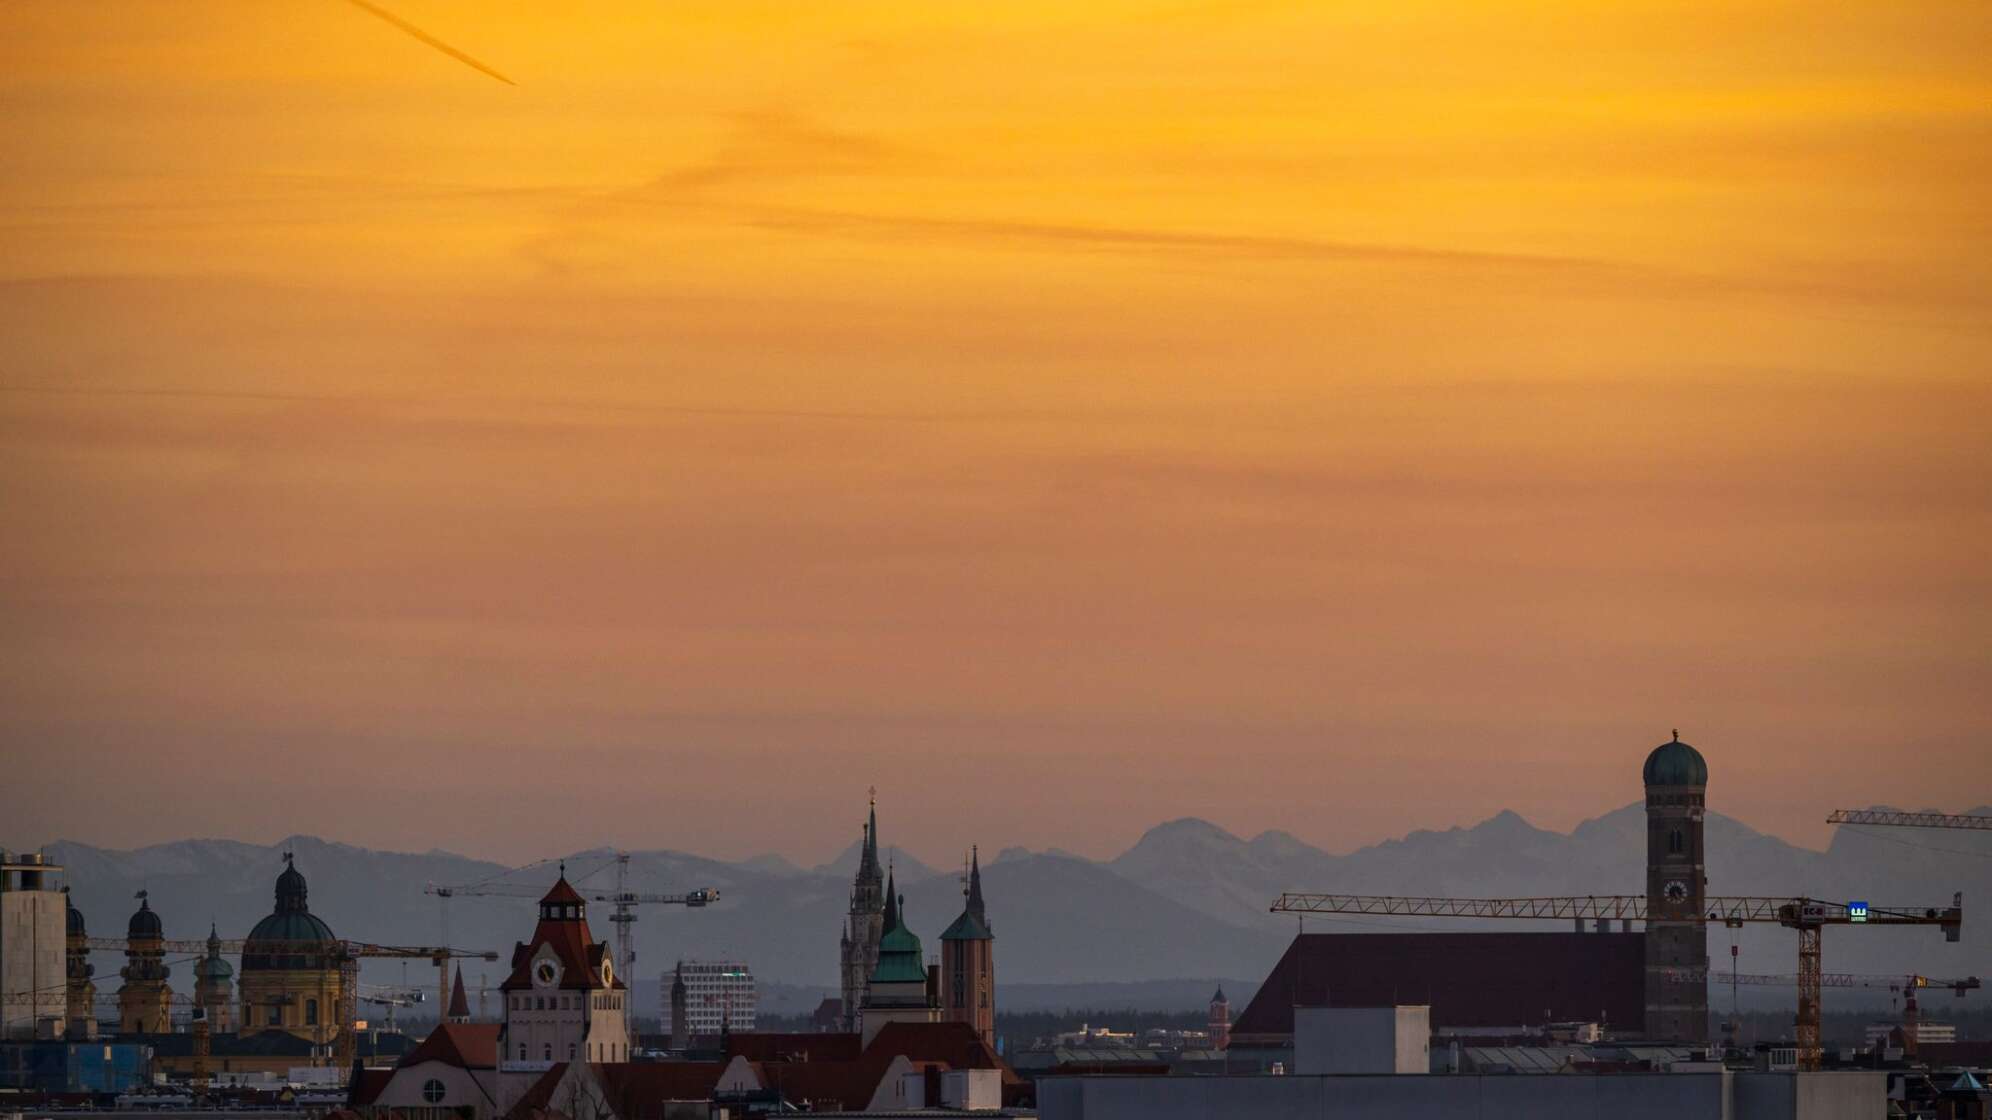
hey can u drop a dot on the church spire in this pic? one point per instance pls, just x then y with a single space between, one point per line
891 905
868 861
975 885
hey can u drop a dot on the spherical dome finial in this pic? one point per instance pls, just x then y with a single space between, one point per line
1675 763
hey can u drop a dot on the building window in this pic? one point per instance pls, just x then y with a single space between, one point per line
1674 842
433 1091
276 1018
548 1049
522 1051
570 1051
311 1013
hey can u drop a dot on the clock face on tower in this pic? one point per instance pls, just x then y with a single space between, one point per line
1675 890
546 974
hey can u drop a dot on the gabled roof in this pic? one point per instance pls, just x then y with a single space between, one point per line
464 1045
1469 979
638 1090
968 927
953 1044
367 1085
580 957
536 1100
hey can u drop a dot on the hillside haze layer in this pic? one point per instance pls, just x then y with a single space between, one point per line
1187 900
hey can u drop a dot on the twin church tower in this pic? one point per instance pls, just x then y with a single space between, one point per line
884 975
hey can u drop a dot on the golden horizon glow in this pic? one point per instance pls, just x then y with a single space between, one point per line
1340 418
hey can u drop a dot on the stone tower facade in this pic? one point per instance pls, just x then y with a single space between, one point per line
214 986
968 962
143 998
82 990
865 925
1676 779
563 1000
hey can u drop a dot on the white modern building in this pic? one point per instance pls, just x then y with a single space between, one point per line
719 996
34 933
1362 1039
1925 1032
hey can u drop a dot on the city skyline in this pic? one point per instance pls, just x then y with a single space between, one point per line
1336 421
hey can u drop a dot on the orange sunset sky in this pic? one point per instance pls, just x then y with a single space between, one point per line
1338 417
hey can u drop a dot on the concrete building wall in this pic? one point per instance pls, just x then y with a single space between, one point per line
34 966
1838 1095
1362 1040
1635 1096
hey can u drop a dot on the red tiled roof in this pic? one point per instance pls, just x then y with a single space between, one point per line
955 1045
367 1085
561 892
580 956
770 1046
1469 979
459 1003
464 1045
536 1099
638 1090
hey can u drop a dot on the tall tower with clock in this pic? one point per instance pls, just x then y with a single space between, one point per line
1676 883
563 999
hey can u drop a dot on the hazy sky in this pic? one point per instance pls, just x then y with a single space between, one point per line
1335 417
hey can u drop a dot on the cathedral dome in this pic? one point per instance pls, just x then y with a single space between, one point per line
145 923
289 938
1675 764
75 916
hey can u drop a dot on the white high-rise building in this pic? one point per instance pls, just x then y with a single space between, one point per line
34 942
719 995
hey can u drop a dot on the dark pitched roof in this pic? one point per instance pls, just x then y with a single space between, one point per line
539 1097
561 892
953 1044
464 1045
770 1046
638 1090
367 1085
459 1003
580 956
1469 979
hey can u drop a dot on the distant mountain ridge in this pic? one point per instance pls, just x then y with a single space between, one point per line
1188 899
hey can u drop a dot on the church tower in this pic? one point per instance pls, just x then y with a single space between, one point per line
459 1009
214 986
681 1023
82 991
899 989
144 996
1676 883
563 1000
865 925
968 962
1219 1023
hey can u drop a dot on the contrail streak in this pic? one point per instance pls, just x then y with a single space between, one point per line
425 37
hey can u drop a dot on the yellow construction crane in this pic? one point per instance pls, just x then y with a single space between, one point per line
1808 916
1892 819
1908 986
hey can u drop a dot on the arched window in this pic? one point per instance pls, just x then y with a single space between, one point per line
311 1013
548 1048
522 1051
1674 844
570 1051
